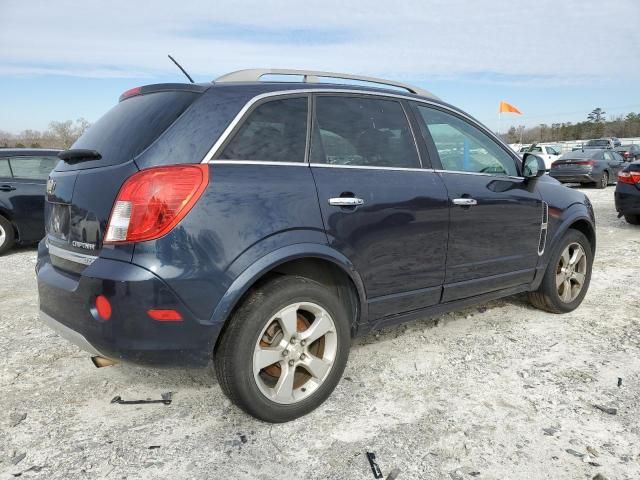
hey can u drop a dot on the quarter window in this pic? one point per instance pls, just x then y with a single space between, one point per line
5 171
362 132
35 168
462 147
276 131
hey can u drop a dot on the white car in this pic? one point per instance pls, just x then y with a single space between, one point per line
547 152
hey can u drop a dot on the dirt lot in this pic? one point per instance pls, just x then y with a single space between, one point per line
497 392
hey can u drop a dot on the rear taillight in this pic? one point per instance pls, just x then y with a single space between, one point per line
626 154
589 163
153 201
629 177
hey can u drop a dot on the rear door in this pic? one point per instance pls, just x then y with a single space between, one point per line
495 220
380 208
24 193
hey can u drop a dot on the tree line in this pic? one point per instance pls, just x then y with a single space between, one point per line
595 126
59 135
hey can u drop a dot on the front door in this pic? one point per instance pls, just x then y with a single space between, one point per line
380 208
495 219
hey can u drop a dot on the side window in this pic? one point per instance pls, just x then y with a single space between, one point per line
362 132
276 131
552 151
536 149
34 168
463 147
5 171
608 157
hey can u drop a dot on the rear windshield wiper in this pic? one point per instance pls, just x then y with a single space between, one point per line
79 155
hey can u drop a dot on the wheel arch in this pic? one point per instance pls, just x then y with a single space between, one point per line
317 262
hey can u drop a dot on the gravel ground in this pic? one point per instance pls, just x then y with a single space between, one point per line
492 392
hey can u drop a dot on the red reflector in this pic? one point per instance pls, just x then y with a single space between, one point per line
165 315
153 201
629 177
103 307
132 92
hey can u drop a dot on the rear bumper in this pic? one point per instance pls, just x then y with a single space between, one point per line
67 304
573 177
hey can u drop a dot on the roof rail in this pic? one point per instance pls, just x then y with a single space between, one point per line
311 76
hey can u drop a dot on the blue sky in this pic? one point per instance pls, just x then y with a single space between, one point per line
555 60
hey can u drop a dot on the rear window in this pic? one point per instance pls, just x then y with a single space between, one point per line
580 154
598 143
131 126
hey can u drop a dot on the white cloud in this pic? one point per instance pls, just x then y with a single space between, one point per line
555 41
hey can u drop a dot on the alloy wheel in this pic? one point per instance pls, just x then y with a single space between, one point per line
295 352
3 236
571 272
604 181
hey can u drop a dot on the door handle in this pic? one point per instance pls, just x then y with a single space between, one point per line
346 201
7 188
465 202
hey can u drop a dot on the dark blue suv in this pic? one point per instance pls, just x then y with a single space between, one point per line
265 224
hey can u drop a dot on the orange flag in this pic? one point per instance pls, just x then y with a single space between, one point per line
507 107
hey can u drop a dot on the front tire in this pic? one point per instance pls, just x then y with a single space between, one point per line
7 235
632 219
284 349
567 277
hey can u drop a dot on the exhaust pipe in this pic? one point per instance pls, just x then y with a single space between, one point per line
100 362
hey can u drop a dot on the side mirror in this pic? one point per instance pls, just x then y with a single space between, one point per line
532 166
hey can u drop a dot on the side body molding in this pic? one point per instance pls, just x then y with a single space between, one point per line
277 257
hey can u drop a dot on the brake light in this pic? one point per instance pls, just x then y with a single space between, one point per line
585 162
132 92
629 177
153 201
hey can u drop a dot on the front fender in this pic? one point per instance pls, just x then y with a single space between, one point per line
577 212
257 269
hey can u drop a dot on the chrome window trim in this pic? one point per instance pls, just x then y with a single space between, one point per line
82 258
259 162
510 177
305 91
371 167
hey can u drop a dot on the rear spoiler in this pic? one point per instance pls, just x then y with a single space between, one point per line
165 87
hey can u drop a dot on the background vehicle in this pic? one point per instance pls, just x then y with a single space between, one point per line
231 226
629 152
596 167
23 174
599 143
548 153
628 193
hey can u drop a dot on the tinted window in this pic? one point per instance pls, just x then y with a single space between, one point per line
37 168
598 143
462 147
552 151
132 125
362 132
577 154
275 131
5 171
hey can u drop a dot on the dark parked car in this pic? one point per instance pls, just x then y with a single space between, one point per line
264 225
23 174
595 167
628 193
629 152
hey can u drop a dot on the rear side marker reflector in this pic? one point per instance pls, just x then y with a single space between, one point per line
165 315
103 307
153 201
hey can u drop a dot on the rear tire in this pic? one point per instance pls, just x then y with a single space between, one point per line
632 219
604 181
272 325
7 235
558 292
